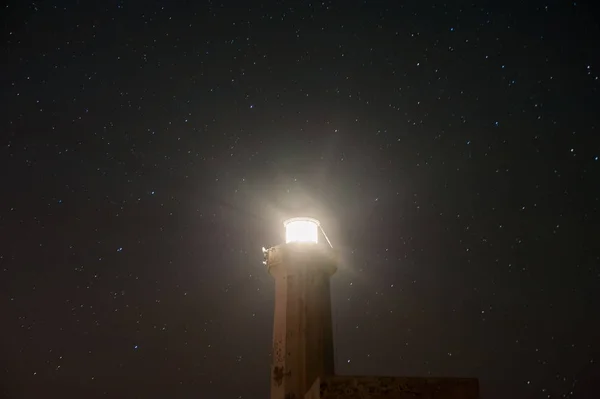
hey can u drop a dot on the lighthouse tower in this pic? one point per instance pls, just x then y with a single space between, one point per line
302 331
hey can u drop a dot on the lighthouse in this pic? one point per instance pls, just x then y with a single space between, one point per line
302 331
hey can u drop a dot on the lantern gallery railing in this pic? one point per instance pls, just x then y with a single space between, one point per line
301 230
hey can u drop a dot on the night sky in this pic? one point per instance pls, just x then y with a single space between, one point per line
150 149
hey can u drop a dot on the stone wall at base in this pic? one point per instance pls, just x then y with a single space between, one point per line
373 387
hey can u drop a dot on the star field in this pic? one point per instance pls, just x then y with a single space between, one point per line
150 149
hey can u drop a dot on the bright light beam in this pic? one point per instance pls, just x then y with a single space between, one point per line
301 230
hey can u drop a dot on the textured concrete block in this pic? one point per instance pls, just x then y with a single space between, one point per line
354 387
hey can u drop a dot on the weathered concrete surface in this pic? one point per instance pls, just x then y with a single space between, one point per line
315 391
354 387
302 331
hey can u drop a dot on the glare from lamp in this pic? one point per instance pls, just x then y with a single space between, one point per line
301 230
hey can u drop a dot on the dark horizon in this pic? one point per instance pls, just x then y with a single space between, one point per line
150 150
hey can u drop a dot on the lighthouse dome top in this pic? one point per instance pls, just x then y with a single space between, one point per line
301 229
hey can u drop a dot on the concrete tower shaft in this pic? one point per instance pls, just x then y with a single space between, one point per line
302 330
